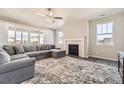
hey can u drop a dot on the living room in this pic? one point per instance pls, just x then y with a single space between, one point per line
61 45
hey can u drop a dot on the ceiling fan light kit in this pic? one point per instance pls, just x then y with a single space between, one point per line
50 14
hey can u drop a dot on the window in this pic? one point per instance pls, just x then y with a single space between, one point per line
34 38
25 38
18 37
41 38
11 36
60 37
104 33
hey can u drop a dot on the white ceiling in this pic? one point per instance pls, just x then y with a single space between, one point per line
28 17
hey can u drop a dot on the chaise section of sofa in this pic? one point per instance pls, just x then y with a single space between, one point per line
58 53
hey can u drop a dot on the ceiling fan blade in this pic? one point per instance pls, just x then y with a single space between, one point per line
40 14
58 17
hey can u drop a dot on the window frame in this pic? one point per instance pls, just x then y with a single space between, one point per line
29 31
11 37
36 37
23 38
112 39
16 37
60 37
41 33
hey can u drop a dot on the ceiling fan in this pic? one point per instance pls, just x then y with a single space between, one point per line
49 13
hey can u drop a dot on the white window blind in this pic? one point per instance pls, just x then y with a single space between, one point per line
60 37
104 33
24 36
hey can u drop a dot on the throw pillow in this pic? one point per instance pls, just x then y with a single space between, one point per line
19 49
44 47
30 48
9 49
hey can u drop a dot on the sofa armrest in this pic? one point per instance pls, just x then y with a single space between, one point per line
16 64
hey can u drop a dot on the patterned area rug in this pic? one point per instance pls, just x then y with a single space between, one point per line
68 70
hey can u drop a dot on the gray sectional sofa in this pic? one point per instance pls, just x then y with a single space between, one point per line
17 63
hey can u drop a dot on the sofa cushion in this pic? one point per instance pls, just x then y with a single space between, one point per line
44 52
42 47
58 53
37 53
56 50
30 48
16 64
4 56
19 49
38 47
9 49
51 46
18 56
33 54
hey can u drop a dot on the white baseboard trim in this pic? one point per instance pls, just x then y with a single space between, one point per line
103 58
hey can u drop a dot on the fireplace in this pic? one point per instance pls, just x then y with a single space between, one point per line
73 49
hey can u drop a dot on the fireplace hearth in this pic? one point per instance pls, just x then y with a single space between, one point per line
73 49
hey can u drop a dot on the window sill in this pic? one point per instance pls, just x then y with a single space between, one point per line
104 44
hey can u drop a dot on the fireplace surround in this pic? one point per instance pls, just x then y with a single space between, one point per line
82 46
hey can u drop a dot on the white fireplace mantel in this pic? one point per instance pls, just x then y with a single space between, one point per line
80 42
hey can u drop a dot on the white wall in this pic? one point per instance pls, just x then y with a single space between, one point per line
103 51
73 29
3 33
